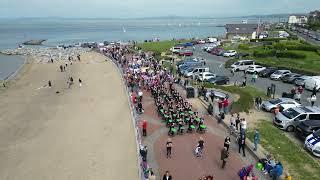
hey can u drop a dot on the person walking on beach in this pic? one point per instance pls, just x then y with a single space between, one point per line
167 176
256 139
49 84
61 68
78 57
144 128
80 82
169 148
224 156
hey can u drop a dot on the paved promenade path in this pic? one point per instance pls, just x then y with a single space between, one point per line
81 133
184 165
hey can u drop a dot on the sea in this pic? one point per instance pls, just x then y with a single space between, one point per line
64 31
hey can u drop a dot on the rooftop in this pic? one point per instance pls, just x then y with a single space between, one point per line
241 28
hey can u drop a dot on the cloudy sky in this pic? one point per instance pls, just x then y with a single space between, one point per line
151 8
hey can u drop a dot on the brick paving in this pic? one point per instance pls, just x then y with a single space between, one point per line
183 164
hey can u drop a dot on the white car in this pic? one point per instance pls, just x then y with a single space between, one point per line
205 76
230 53
312 143
285 106
313 82
255 69
279 74
201 41
273 103
176 49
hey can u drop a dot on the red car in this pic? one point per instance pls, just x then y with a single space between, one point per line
215 51
186 53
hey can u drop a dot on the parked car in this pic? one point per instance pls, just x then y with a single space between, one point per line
216 50
313 82
306 128
312 143
176 49
219 80
301 81
201 41
188 59
271 104
242 65
255 69
205 76
220 53
290 118
196 71
230 53
267 72
279 74
285 106
290 78
185 53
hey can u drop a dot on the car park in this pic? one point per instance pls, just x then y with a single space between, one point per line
306 128
290 118
219 80
242 65
277 75
255 69
312 143
290 78
271 104
230 53
267 72
313 82
205 76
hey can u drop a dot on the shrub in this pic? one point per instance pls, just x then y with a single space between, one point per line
244 46
264 53
295 46
268 39
290 54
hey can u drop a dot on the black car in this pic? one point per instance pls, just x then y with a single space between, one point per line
241 55
219 80
306 128
267 72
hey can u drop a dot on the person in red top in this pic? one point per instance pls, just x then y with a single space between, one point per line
225 104
144 128
220 105
300 89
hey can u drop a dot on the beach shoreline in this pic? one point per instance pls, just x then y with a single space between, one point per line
84 131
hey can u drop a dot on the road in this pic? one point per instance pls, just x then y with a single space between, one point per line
216 65
305 37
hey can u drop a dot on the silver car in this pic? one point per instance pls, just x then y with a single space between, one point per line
301 81
270 105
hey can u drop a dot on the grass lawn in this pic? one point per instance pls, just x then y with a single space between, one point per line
247 96
291 155
161 46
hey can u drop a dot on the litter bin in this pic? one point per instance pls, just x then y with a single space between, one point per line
190 92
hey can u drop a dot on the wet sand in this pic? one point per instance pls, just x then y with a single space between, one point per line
81 133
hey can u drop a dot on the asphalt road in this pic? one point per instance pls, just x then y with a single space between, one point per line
306 37
216 65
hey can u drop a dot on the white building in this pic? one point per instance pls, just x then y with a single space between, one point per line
298 19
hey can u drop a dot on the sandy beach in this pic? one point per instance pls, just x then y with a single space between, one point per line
78 134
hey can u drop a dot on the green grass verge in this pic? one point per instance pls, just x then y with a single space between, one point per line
293 157
247 96
161 46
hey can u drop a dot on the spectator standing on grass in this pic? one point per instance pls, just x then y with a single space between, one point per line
224 157
169 148
256 139
244 83
167 176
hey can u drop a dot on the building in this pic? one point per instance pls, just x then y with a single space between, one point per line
242 31
298 19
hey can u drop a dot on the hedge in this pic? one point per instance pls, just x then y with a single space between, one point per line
278 54
244 46
264 53
268 39
302 47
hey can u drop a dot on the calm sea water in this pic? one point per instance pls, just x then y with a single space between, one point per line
68 31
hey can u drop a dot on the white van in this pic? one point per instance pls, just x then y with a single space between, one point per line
242 65
290 118
176 49
197 71
312 82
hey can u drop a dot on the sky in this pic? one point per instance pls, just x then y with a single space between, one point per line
151 8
